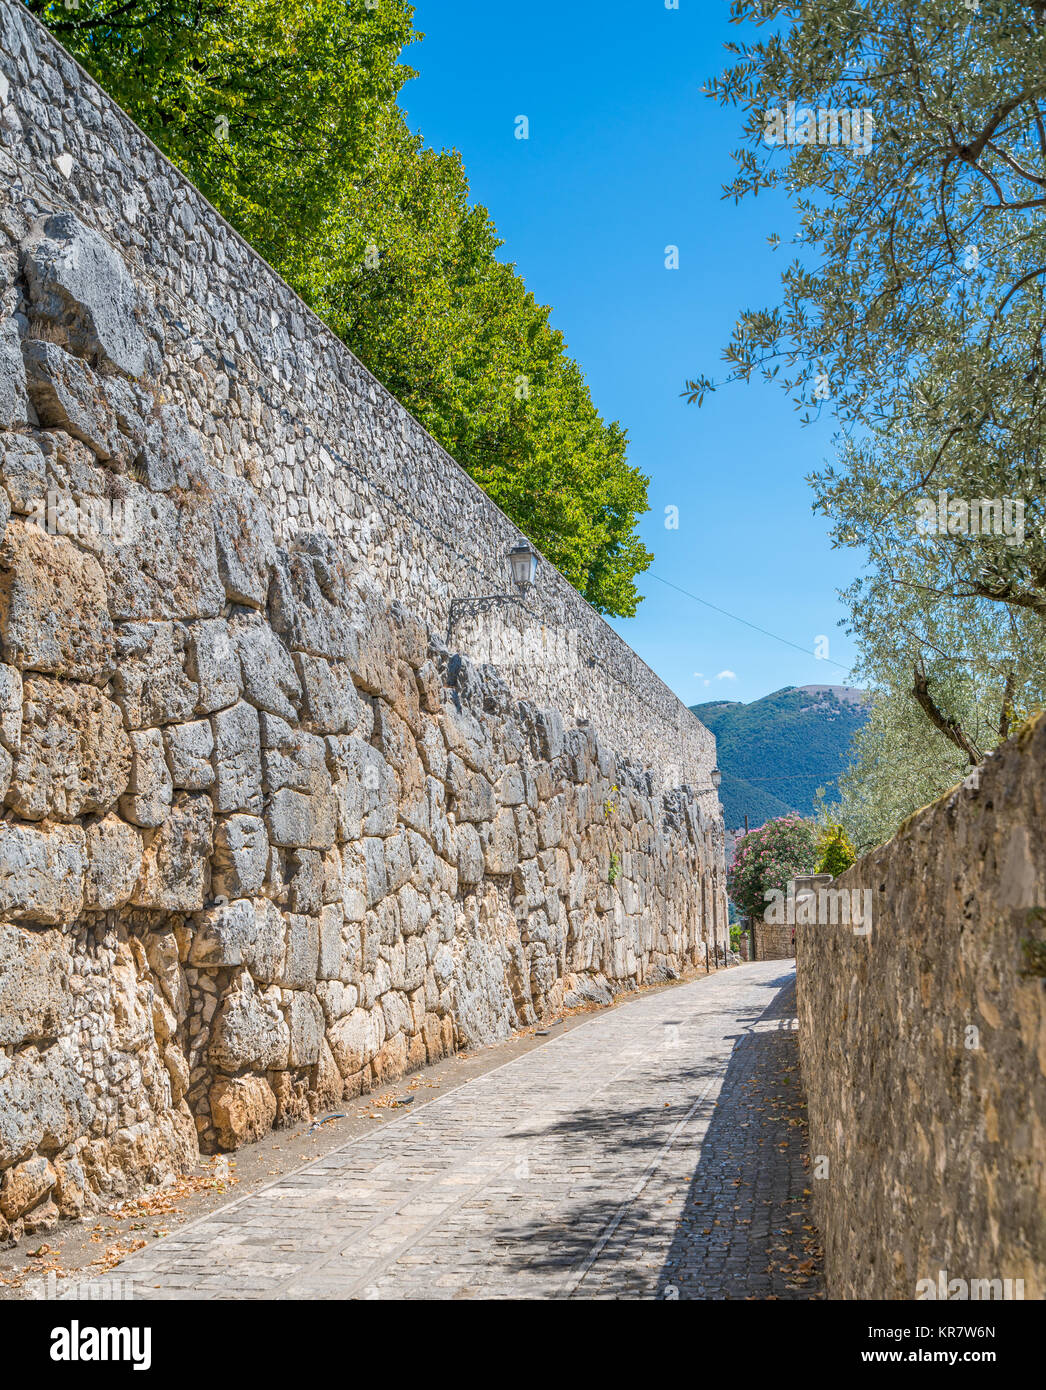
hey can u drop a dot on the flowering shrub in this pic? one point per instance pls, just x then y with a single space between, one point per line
767 858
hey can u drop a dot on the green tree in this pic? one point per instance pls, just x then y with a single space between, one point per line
836 851
284 113
914 310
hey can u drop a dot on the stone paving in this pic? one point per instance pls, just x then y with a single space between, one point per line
653 1152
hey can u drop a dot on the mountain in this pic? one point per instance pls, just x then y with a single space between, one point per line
776 752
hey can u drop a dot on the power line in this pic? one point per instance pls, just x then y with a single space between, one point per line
754 626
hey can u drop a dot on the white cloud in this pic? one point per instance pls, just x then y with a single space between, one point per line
726 676
699 675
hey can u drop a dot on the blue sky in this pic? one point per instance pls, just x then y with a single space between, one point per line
624 158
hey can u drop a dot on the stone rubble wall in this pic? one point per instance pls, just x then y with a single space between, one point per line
923 1046
267 841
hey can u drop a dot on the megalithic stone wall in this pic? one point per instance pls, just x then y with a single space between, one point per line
923 1048
267 838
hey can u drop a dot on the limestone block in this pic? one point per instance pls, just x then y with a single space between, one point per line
303 614
150 684
471 795
53 614
14 399
43 1103
331 957
249 1031
468 851
174 864
241 856
292 758
83 291
214 665
42 873
354 1040
10 708
114 858
303 952
305 1022
305 885
243 536
295 820
171 454
377 877
34 985
189 748
168 567
177 1066
151 791
24 1185
243 1110
501 845
398 866
75 756
23 471
237 759
269 679
433 750
67 395
242 932
330 702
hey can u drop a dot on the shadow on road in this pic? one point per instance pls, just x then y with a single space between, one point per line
745 1229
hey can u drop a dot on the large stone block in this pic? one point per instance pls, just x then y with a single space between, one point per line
301 961
330 701
23 470
299 821
245 544
34 985
150 684
249 1031
189 748
42 873
53 613
114 860
75 757
305 1021
237 759
243 932
150 791
175 861
14 400
241 856
243 1110
213 663
25 1185
355 1039
82 290
67 395
168 567
269 679
43 1103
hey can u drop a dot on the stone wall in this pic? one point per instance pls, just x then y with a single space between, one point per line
923 1047
267 840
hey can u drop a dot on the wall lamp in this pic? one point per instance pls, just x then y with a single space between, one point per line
523 565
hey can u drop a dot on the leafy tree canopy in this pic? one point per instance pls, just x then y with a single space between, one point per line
284 113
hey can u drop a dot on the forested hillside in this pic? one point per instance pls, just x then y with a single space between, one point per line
776 752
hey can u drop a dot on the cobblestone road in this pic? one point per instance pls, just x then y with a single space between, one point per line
653 1152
